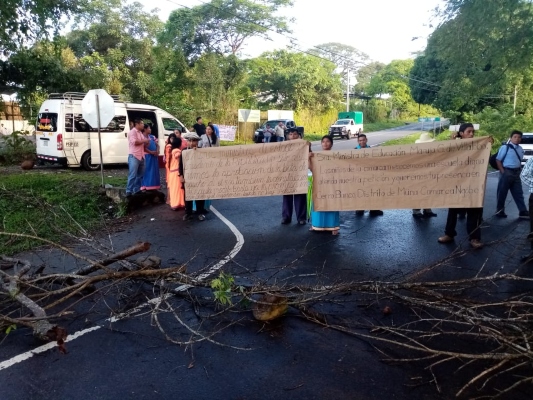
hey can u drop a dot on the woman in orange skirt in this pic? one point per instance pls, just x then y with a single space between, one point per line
166 160
175 187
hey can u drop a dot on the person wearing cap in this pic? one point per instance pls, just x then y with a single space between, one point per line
363 144
193 140
427 212
473 215
298 202
136 142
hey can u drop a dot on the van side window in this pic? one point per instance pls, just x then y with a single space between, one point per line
170 124
76 123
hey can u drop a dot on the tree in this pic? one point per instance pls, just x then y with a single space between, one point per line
347 59
116 54
23 21
295 81
393 80
221 26
466 67
364 76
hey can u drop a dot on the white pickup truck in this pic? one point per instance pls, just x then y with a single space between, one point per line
345 128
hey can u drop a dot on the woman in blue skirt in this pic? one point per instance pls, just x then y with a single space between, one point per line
323 220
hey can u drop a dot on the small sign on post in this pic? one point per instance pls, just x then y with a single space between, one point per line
249 116
98 109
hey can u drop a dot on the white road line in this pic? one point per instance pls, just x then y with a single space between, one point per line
48 346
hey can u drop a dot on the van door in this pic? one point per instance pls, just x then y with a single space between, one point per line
114 139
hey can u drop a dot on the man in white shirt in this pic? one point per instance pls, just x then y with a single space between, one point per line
280 132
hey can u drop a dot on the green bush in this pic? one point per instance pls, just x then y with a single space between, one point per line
16 148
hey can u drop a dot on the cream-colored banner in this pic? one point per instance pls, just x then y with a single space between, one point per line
267 169
438 174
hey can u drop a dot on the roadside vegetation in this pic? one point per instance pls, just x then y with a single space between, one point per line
52 206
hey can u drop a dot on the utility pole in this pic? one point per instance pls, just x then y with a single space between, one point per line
514 101
348 90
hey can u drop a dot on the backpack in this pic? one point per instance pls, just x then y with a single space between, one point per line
492 158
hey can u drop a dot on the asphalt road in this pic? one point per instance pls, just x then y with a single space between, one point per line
287 359
380 137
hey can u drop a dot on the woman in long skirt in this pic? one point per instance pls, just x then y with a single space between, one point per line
175 187
166 160
151 179
323 220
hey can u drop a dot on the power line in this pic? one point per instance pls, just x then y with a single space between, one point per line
295 46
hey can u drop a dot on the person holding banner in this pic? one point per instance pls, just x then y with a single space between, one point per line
298 200
193 139
323 220
428 212
474 216
363 144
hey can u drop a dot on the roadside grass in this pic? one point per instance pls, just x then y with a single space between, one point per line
51 206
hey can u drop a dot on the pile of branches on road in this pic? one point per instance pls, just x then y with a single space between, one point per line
468 324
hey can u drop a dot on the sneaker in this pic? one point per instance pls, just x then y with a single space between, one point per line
285 221
501 214
201 217
417 214
187 217
476 244
302 222
429 214
360 213
375 213
523 214
445 239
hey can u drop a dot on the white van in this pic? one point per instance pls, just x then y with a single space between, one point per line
63 136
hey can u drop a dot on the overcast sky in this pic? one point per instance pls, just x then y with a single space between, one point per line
383 29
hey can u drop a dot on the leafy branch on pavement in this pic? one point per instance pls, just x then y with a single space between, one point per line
466 323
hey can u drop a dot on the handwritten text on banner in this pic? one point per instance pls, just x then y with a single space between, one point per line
267 169
438 174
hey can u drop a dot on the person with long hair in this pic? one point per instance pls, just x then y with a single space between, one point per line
151 179
323 220
474 215
166 160
209 139
175 186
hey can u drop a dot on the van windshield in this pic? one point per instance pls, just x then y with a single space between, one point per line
47 122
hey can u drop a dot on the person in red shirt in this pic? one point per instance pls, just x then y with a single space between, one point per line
136 142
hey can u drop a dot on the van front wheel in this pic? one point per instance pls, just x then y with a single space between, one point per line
86 162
